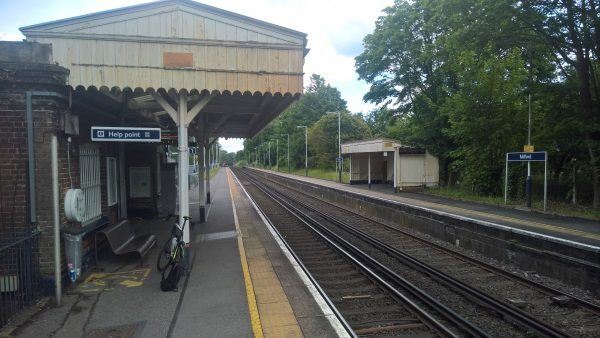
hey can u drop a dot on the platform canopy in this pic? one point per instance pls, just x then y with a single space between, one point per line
237 72
178 63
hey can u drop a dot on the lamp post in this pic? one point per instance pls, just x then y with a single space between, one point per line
528 179
288 152
305 149
338 162
269 147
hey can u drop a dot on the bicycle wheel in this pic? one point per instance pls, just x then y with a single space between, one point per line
164 256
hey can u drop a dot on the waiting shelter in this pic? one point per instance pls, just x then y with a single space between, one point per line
386 161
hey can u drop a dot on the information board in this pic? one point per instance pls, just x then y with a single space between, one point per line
125 134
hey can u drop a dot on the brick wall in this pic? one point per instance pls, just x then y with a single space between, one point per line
15 80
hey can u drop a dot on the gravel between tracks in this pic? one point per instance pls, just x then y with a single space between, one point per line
575 320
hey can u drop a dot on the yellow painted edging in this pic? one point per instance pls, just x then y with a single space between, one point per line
252 306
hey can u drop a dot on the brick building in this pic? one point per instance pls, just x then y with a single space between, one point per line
193 70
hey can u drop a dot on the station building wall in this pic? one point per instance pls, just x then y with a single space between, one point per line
24 67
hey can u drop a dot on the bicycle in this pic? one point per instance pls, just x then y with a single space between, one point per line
173 249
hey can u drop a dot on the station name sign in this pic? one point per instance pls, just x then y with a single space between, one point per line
125 134
538 156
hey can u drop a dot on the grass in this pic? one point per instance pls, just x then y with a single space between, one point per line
330 175
553 207
558 208
214 171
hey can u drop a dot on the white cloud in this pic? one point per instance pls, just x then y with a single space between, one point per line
232 145
10 36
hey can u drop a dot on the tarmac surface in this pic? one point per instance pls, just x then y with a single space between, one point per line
240 285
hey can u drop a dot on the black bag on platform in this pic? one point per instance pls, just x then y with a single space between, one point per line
174 274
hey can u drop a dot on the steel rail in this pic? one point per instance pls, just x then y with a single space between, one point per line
415 291
499 306
320 290
519 279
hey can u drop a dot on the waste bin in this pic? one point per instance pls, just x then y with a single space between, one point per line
73 251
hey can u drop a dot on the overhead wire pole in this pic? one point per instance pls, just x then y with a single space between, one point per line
288 154
338 160
305 149
340 145
528 179
277 154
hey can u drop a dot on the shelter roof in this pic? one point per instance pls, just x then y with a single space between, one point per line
106 17
244 71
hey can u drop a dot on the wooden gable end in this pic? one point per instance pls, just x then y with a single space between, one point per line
169 21
176 44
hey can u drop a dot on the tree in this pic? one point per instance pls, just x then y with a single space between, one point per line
319 98
571 28
323 136
484 116
379 119
452 73
406 66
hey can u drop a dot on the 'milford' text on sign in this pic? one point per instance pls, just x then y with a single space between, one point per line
125 134
538 156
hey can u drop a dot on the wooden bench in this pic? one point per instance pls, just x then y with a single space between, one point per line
122 240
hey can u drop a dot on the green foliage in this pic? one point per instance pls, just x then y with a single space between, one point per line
319 99
323 136
486 117
227 158
379 120
455 76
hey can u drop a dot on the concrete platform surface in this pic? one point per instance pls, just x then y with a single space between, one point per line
240 284
569 228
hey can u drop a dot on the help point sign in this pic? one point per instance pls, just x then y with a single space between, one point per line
125 134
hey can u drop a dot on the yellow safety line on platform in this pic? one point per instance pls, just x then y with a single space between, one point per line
252 305
533 224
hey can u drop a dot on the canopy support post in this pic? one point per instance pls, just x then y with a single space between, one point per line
183 164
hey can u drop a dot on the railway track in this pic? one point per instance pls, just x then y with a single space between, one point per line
359 291
493 301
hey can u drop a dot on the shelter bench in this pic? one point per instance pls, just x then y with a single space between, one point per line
123 241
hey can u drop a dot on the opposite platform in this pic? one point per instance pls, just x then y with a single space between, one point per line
568 228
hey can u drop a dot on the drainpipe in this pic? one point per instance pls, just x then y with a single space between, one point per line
31 185
31 154
56 218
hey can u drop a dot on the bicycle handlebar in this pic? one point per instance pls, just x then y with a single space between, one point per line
185 220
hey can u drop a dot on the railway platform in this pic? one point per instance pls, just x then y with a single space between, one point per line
573 229
241 283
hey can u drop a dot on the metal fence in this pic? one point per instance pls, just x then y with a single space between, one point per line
20 281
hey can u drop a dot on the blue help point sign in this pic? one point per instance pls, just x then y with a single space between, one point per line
125 134
538 156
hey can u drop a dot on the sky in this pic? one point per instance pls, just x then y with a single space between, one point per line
335 31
